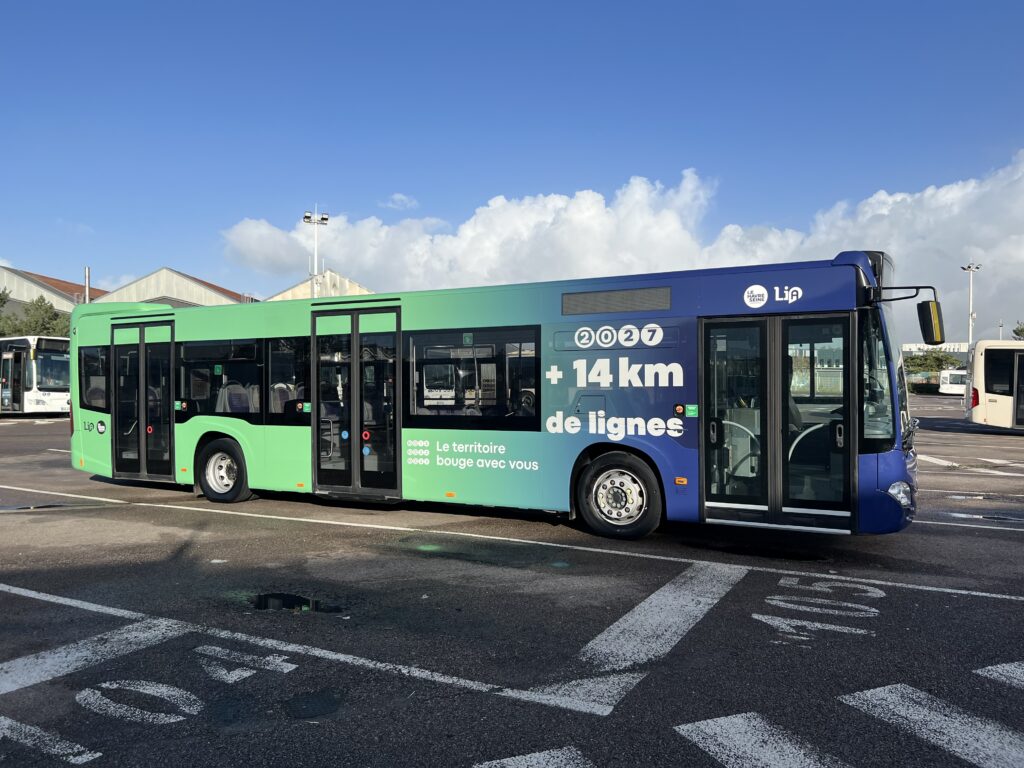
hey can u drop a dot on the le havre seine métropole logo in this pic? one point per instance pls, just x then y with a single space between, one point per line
756 296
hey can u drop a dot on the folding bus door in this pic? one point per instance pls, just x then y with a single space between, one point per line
778 445
143 392
357 385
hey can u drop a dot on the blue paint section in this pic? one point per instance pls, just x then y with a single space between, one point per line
877 511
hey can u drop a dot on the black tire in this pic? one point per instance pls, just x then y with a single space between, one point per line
220 468
618 496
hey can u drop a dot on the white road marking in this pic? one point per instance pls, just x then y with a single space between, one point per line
272 663
49 744
652 629
93 607
969 525
222 674
46 665
750 741
570 757
532 542
95 701
977 740
1010 674
933 460
58 450
593 695
993 494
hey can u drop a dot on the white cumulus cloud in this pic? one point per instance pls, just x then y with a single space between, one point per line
400 202
647 226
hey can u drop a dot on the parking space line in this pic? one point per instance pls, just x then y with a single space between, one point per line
1010 674
969 525
750 741
47 743
655 626
536 543
570 757
93 607
975 739
57 662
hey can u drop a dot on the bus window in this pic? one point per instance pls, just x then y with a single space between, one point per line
221 377
999 371
878 426
92 370
289 381
473 379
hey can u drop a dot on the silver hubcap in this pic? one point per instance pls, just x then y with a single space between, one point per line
221 472
619 497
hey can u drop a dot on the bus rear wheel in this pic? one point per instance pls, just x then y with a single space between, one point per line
618 496
222 475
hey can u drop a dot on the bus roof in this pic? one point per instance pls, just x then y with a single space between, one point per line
869 263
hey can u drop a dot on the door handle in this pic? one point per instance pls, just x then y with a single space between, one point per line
839 435
714 431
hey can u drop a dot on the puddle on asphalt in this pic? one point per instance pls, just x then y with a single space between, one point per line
285 601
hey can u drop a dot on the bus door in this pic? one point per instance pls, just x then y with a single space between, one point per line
356 399
778 448
11 382
143 398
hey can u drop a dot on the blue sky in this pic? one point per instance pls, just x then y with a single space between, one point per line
134 135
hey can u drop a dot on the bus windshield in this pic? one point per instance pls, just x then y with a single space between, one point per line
53 370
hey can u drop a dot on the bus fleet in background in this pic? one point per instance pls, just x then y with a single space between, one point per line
35 374
994 389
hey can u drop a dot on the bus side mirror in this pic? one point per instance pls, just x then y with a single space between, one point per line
929 315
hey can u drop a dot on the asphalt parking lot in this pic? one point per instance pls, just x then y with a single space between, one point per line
470 637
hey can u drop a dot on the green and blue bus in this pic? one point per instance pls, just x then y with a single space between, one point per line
769 396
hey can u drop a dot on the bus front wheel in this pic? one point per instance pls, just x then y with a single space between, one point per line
619 496
222 475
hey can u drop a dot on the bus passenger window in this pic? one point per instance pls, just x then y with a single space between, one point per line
92 372
481 378
220 377
288 393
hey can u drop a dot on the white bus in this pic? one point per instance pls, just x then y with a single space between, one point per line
953 382
995 384
35 374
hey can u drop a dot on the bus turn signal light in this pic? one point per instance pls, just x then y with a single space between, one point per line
681 481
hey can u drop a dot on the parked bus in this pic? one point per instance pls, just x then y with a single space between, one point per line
765 396
952 382
35 374
995 381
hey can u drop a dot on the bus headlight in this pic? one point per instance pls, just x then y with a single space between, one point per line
902 493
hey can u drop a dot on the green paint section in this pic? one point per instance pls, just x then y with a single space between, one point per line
90 450
157 333
126 335
378 322
287 466
333 325
501 469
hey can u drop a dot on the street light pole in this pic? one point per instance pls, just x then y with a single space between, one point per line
317 219
970 269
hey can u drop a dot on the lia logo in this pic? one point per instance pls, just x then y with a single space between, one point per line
755 296
787 294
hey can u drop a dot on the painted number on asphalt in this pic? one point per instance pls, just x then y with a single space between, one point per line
801 630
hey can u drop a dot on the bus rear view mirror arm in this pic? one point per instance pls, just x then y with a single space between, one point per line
929 312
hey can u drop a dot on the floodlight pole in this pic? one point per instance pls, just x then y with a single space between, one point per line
970 269
317 219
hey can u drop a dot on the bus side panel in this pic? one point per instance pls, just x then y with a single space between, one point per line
90 443
877 511
503 469
289 464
